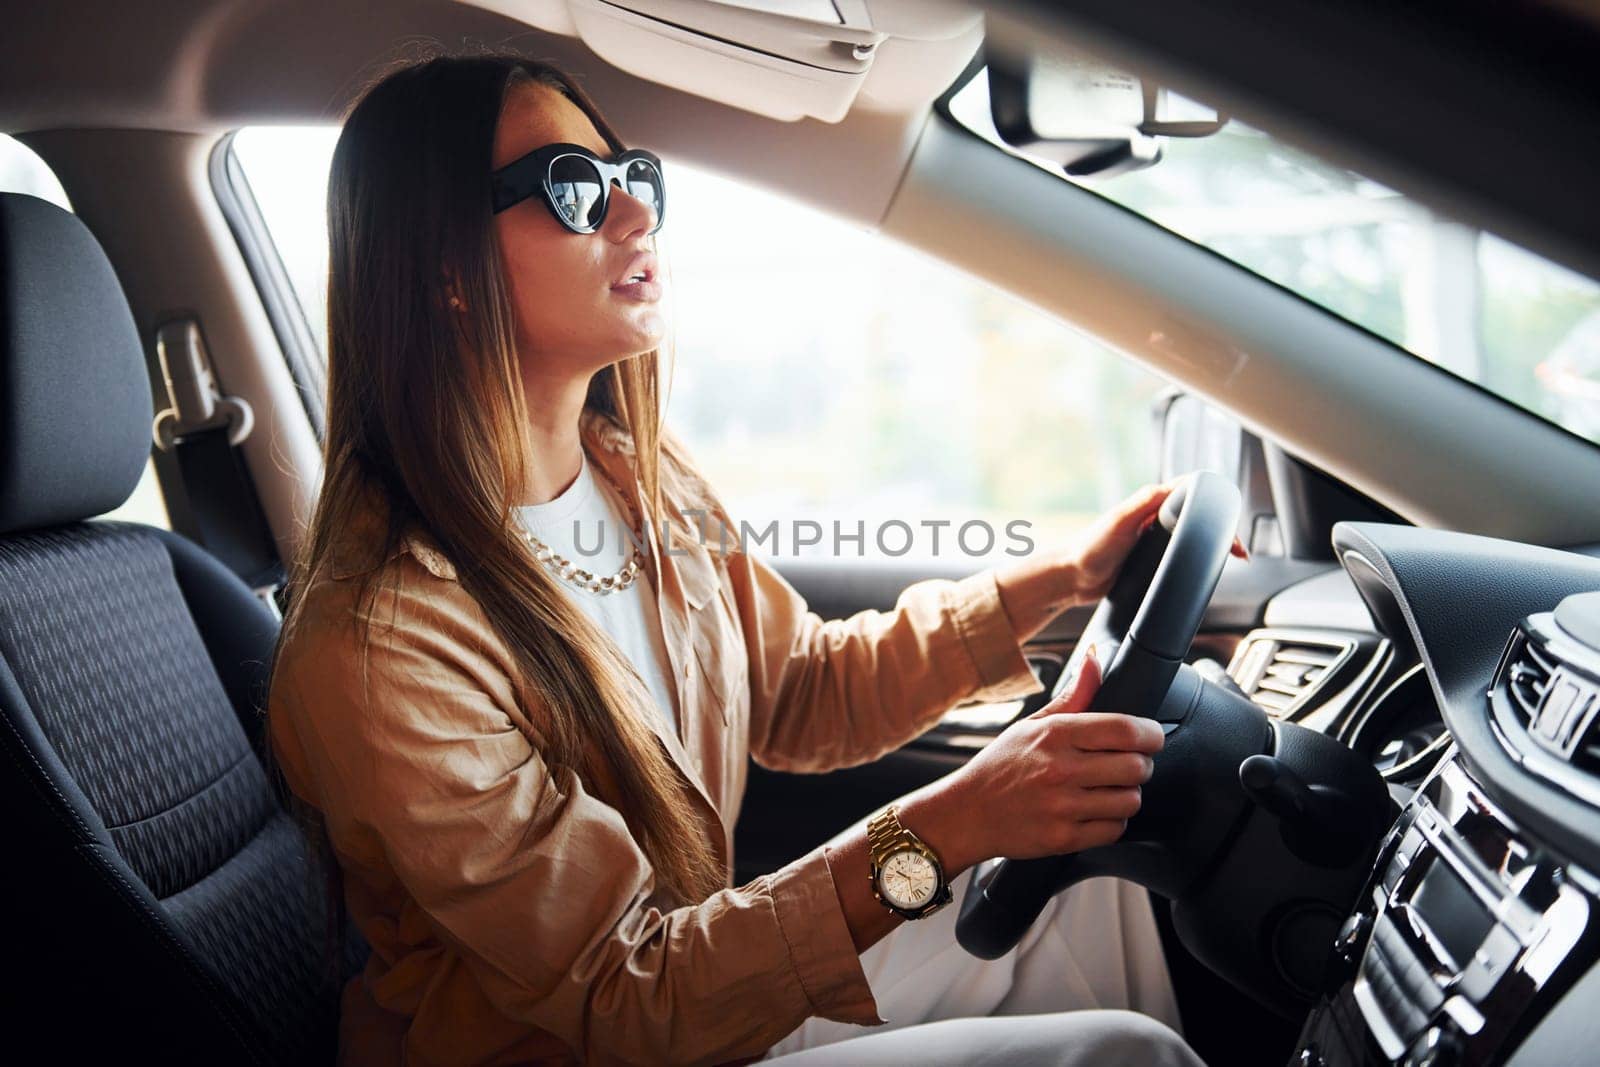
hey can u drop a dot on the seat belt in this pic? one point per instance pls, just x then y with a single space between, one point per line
201 431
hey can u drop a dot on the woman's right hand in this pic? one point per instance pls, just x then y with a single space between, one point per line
1062 779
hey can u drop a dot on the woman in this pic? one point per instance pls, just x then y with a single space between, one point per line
530 786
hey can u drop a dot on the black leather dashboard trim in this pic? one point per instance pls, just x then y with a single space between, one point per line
1460 595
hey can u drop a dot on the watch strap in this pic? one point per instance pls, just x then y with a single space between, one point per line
884 833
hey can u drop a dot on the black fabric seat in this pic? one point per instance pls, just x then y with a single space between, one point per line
167 904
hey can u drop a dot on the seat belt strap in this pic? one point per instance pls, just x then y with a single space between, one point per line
202 430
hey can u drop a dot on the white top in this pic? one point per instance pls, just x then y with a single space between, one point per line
589 525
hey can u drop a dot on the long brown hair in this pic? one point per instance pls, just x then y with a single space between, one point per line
426 408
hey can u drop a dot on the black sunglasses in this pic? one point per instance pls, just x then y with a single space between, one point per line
575 184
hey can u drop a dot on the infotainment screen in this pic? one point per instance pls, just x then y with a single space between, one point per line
1453 913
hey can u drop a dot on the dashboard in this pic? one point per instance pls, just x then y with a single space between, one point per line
1467 669
1319 661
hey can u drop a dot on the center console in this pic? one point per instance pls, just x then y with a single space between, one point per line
1466 933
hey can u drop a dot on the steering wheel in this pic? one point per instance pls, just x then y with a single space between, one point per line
1142 629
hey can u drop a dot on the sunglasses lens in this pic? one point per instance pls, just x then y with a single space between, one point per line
577 189
644 183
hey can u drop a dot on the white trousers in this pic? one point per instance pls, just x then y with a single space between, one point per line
1088 984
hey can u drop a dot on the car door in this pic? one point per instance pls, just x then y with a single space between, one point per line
785 815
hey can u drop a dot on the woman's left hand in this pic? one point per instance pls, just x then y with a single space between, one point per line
1034 591
1100 552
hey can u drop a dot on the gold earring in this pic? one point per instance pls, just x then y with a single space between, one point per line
455 302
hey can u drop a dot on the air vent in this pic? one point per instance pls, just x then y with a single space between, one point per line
1527 677
1545 700
1283 672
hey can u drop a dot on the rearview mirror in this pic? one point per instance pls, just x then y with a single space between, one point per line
1092 119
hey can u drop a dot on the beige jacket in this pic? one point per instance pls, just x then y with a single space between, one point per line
505 931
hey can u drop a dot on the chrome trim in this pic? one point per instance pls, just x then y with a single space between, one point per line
1317 694
1352 732
1538 637
972 726
1377 1022
1553 721
1464 1014
1568 918
1541 910
1425 757
1400 772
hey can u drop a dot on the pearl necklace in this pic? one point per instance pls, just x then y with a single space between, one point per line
584 579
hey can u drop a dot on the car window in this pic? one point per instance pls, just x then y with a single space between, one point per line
1477 306
287 171
22 171
829 374
849 397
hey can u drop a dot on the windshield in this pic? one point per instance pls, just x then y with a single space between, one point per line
1479 307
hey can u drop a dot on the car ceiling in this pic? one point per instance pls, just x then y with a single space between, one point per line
1483 110
199 67
214 65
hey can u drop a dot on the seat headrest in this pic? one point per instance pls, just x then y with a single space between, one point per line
75 405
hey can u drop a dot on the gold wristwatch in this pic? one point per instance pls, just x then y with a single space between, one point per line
907 877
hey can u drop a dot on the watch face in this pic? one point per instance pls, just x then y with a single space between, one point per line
908 879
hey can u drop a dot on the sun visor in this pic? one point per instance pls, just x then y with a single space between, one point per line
785 59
